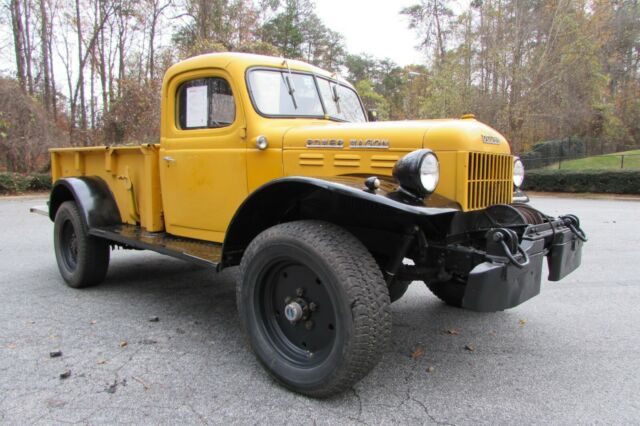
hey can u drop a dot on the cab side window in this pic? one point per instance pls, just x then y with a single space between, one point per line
205 103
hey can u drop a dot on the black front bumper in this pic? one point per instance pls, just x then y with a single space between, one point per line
500 283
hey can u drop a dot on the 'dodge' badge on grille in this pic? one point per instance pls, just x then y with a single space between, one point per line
491 140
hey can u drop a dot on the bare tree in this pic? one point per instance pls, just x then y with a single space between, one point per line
45 61
157 9
18 42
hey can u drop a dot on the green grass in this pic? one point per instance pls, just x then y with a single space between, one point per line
602 162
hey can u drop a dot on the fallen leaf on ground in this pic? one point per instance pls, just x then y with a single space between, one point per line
55 354
65 374
430 369
522 322
139 380
418 352
11 346
154 319
470 348
101 361
113 386
124 344
452 332
55 403
93 322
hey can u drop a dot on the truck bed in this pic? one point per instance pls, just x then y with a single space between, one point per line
131 172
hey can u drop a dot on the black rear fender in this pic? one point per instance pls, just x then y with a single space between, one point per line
93 197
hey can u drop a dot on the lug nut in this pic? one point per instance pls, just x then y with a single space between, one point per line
312 306
287 300
300 291
308 325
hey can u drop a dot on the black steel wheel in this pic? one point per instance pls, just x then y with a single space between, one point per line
398 288
83 260
314 305
298 312
450 292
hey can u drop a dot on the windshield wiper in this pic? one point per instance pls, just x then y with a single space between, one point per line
290 87
291 91
336 98
339 120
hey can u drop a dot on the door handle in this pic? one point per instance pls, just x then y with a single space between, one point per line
169 159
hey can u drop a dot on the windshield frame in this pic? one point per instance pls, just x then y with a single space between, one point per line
315 77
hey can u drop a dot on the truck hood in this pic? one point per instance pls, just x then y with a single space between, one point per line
404 136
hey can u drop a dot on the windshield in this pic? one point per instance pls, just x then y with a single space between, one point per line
290 94
340 101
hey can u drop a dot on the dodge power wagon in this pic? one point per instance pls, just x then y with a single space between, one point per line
275 165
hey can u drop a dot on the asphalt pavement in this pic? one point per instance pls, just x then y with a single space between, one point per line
569 356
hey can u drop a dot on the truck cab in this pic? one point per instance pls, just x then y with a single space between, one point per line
272 165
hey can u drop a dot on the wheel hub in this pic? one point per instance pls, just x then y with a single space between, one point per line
293 312
298 309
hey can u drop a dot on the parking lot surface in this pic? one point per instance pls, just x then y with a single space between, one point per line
570 355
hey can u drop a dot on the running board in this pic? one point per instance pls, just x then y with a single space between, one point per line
203 253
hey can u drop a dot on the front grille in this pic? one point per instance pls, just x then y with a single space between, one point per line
489 180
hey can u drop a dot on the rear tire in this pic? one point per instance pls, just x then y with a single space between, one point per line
450 292
346 322
83 260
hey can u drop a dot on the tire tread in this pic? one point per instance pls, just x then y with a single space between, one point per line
93 253
364 284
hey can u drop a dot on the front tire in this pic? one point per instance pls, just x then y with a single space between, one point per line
83 260
314 305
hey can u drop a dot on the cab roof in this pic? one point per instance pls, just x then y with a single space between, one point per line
242 61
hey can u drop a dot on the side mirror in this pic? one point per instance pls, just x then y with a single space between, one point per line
372 114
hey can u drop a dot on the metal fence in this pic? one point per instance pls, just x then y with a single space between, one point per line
600 162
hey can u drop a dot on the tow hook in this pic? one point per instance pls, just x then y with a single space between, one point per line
507 239
572 222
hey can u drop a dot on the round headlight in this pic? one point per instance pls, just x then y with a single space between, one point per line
518 173
418 172
429 172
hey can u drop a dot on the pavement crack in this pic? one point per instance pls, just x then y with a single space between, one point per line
407 380
357 395
359 399
198 415
426 410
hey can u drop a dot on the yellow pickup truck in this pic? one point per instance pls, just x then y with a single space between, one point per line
275 165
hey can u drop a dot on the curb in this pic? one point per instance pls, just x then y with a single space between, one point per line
585 195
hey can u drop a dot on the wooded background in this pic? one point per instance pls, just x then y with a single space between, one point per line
88 72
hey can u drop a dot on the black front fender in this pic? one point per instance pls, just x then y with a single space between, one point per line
92 196
341 200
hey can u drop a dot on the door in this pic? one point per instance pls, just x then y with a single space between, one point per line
202 155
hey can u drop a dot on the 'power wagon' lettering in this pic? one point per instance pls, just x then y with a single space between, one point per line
369 143
325 143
